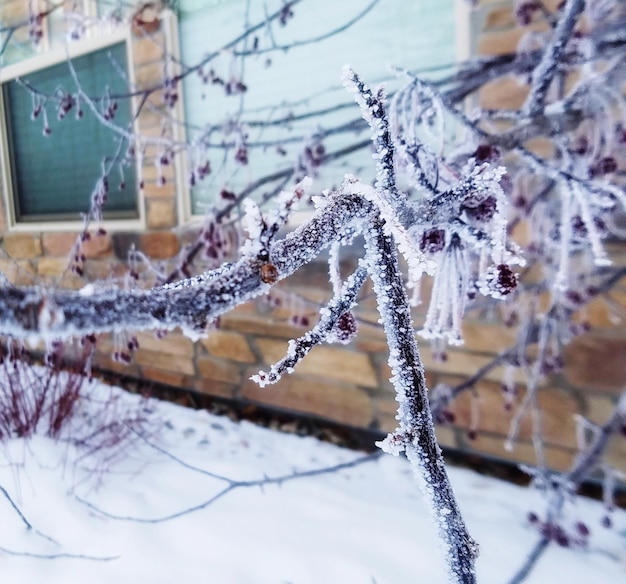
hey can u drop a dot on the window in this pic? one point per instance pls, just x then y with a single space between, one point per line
50 175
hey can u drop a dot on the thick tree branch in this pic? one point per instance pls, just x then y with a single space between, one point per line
416 434
191 304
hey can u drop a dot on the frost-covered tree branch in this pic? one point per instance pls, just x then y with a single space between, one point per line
190 304
560 488
230 484
544 73
416 434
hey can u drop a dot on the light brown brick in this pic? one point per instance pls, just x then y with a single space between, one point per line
558 426
13 11
151 190
499 17
219 370
159 244
52 266
556 458
174 343
165 361
150 173
103 360
334 363
148 75
161 214
599 408
148 49
215 388
371 340
98 246
172 378
485 337
59 243
17 272
332 401
597 361
21 246
458 362
104 269
504 93
228 345
504 42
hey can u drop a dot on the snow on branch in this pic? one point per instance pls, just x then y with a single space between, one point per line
190 304
336 323
416 434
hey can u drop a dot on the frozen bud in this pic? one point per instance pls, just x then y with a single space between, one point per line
574 297
433 240
499 281
241 155
578 226
204 170
345 329
582 529
560 537
520 202
486 153
227 195
525 11
269 273
581 146
446 417
606 522
605 165
482 212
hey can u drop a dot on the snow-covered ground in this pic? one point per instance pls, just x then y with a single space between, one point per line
364 524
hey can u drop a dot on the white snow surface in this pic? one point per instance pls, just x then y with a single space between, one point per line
367 524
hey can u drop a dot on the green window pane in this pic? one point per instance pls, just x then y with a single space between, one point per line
54 176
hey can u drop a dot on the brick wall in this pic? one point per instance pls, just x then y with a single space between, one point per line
345 384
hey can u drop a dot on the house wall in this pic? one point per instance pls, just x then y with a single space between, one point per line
345 384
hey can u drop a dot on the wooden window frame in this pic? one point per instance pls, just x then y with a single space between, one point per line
42 61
